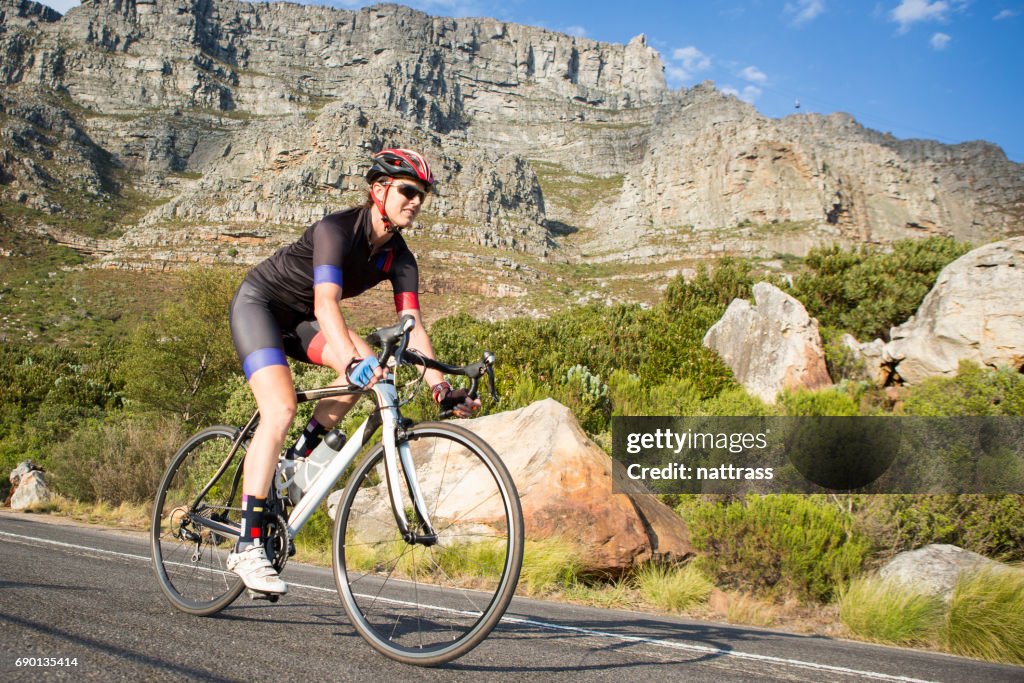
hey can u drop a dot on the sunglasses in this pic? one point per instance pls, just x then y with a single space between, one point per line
410 192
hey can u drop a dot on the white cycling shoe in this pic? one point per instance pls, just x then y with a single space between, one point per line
256 571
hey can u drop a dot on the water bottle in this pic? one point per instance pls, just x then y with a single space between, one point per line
307 469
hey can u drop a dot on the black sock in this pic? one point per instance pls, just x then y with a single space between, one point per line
310 438
252 522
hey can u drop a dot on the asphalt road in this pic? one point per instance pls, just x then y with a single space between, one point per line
89 594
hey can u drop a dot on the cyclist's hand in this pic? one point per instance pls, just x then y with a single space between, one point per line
365 372
455 400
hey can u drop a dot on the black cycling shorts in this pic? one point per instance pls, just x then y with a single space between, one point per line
265 333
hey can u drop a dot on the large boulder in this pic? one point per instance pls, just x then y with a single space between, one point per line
935 569
974 312
771 345
29 486
565 487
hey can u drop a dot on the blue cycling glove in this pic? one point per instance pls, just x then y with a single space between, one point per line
361 373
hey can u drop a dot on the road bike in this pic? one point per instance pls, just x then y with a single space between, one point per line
427 542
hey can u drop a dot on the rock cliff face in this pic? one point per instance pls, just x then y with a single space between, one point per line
236 118
715 162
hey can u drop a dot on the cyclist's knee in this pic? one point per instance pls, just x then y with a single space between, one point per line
278 415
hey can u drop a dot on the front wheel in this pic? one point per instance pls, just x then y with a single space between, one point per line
188 555
428 603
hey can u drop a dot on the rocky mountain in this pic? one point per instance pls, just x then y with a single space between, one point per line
154 132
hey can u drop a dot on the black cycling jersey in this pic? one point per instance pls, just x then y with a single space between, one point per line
272 312
337 249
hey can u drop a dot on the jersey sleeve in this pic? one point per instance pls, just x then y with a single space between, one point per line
405 281
329 247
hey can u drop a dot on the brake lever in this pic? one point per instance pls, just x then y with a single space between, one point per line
490 381
487 363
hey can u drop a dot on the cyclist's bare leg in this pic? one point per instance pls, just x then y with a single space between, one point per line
275 396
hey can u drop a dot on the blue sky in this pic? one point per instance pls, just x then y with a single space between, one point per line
948 70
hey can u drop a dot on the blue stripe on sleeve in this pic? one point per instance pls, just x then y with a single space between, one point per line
262 358
325 274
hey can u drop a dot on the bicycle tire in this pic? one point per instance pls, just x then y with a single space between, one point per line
429 605
189 559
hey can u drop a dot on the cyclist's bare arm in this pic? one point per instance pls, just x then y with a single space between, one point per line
326 297
420 341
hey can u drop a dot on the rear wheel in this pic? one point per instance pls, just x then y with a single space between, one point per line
429 601
189 557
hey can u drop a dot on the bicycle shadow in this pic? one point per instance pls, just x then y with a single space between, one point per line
646 642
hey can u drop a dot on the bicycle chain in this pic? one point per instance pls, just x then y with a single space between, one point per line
277 542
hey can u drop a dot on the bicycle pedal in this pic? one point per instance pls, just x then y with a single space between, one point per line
269 597
291 548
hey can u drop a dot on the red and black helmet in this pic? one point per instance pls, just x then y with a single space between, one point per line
400 163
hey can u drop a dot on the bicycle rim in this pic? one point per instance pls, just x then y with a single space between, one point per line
189 558
429 605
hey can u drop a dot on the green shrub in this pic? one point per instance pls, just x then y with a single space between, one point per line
587 396
986 616
990 525
731 278
819 403
866 291
888 612
182 360
974 391
777 544
674 349
117 461
840 360
737 402
48 393
629 396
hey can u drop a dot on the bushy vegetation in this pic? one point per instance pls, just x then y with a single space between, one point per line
868 290
47 394
181 363
974 391
982 618
776 545
888 612
990 525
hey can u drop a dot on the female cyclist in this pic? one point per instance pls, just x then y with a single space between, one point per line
288 305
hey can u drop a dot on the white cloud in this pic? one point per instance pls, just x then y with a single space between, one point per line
749 94
805 10
754 75
577 31
940 41
1006 14
913 11
692 58
684 64
676 75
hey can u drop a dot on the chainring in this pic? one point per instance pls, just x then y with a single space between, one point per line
276 542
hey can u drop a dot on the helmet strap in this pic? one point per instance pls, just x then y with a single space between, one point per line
388 225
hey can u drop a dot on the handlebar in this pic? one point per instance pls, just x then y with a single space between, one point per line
394 341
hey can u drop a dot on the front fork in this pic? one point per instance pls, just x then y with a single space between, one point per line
397 451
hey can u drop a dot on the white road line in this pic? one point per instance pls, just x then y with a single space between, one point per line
656 642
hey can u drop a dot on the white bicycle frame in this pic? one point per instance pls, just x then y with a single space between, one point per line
387 401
